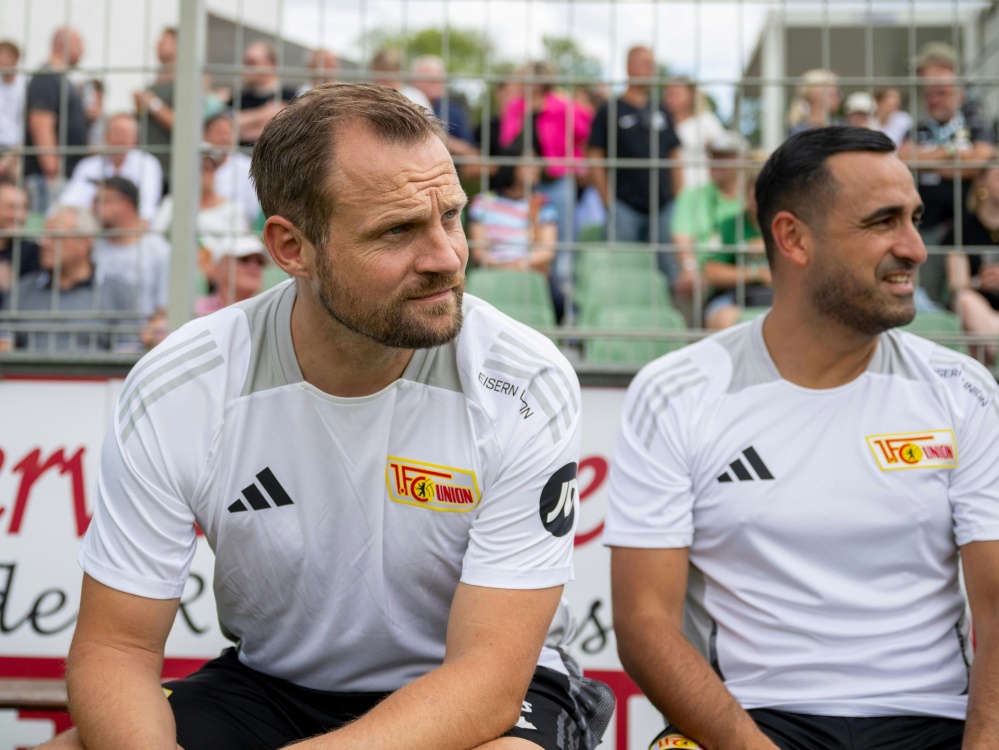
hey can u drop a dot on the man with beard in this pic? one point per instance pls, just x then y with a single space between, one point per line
806 485
392 530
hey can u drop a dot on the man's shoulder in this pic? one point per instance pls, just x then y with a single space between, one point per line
500 359
911 357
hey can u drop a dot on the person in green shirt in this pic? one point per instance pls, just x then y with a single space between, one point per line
737 274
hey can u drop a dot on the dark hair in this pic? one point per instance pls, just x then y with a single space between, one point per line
796 177
294 158
506 175
121 185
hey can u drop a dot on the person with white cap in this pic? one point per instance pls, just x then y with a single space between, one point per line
859 110
234 267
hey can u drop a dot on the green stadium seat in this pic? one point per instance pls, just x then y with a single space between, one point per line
634 351
622 288
593 263
523 295
751 313
273 275
926 324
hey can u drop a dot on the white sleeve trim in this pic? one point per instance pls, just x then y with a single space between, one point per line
493 578
127 583
646 540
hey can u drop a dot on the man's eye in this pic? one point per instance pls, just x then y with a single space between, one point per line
396 230
452 214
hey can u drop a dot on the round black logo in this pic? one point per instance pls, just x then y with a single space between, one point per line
558 501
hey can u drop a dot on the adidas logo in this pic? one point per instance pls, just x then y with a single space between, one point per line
742 473
256 498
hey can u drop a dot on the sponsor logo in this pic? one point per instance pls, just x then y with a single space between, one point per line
424 485
252 494
930 449
673 740
522 722
167 692
558 501
740 472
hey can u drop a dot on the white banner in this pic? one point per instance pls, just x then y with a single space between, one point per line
49 447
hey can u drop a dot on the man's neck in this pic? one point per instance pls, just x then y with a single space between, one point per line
336 360
56 62
72 276
636 96
812 351
127 233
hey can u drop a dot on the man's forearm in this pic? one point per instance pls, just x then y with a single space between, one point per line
982 726
456 706
116 701
682 685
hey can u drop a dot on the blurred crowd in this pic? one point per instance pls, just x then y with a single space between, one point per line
569 184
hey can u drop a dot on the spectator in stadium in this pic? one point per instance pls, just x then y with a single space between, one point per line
262 96
55 119
18 253
559 128
427 621
700 210
13 87
232 176
130 251
817 101
82 303
324 66
951 143
430 77
217 215
734 278
154 105
696 125
754 495
889 117
858 110
386 70
973 274
234 268
121 158
641 208
512 226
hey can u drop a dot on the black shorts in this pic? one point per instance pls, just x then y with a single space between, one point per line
791 731
225 705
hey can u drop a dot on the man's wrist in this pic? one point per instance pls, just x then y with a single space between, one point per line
154 104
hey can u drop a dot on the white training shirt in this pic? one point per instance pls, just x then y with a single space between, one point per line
823 525
341 526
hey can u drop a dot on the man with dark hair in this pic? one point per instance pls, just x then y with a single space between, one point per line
790 498
391 534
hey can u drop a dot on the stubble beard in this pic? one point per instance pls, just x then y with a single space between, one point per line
395 325
859 307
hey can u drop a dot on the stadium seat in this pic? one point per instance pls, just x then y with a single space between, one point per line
926 324
633 351
751 313
523 295
593 263
622 288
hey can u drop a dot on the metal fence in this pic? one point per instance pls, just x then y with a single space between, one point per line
750 68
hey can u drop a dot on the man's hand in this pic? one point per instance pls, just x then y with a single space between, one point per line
980 562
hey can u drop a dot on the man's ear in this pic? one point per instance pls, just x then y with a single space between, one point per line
292 252
793 239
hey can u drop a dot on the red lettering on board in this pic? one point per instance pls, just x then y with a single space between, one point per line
31 468
598 465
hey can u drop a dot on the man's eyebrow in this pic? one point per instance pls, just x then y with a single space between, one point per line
886 211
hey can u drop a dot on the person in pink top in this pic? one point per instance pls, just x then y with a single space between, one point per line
547 115
234 267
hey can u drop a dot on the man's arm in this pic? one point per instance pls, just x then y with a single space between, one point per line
251 122
648 588
113 670
598 173
980 561
494 638
972 159
42 126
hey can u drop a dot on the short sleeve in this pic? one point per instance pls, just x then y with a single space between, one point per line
684 218
974 488
522 537
43 93
598 130
548 214
650 496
